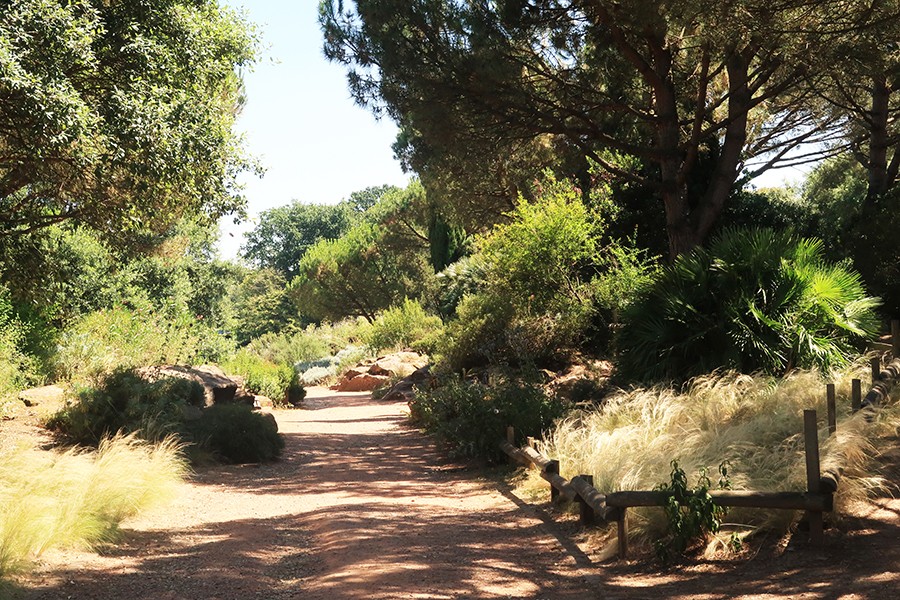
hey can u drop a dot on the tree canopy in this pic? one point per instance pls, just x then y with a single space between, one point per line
119 114
682 96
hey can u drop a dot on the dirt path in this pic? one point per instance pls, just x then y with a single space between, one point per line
362 507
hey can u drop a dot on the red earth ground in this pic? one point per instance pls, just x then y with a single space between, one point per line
363 506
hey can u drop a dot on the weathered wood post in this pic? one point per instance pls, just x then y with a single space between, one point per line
622 531
895 338
511 440
813 476
832 409
553 469
856 395
875 365
586 513
529 441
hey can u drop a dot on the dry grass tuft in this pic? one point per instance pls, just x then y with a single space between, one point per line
78 498
753 422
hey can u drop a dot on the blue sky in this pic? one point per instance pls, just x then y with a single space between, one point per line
316 144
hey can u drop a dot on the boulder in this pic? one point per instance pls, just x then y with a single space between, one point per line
262 402
362 383
217 387
399 364
404 390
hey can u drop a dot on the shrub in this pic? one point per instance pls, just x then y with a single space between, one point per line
17 369
758 299
120 338
237 434
77 498
124 402
405 325
276 381
290 348
471 417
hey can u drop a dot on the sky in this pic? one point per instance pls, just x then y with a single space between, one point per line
316 144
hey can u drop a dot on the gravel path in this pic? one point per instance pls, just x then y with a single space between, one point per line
360 507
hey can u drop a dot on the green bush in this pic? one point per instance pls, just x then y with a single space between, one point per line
290 348
17 369
276 381
757 299
124 402
405 325
237 434
471 418
120 338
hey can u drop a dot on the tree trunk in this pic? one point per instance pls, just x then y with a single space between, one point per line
878 140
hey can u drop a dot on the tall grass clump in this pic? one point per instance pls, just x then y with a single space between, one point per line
755 300
77 498
753 422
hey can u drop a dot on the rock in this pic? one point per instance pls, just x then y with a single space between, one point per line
404 390
262 402
359 370
270 418
399 364
362 383
217 387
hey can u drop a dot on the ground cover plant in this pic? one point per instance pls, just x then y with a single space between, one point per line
752 422
78 498
756 299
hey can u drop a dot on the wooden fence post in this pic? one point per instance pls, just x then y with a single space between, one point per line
875 365
895 338
511 439
553 469
586 513
856 395
832 409
813 476
622 532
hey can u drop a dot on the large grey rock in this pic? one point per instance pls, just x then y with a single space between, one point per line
217 387
362 383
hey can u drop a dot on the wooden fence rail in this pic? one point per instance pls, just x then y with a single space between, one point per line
597 507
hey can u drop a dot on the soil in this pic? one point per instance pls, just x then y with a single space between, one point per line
362 506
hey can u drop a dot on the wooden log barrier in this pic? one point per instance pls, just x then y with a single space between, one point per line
881 388
728 498
589 497
855 395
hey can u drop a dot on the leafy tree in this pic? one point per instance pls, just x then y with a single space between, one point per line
286 233
362 200
359 274
261 305
119 114
690 91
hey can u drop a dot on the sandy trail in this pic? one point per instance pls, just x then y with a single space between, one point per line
360 506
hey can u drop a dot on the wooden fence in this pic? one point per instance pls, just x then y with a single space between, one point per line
598 508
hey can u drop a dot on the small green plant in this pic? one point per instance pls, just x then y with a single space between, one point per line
236 434
691 512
